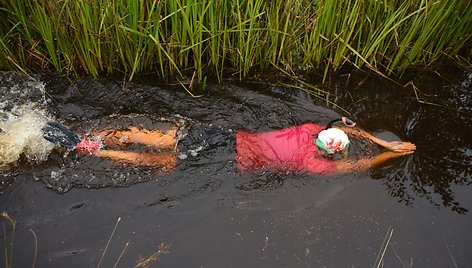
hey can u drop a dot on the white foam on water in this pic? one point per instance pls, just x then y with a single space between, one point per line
22 115
22 135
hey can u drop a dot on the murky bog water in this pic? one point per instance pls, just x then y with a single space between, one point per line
411 212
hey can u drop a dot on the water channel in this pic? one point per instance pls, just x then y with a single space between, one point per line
210 215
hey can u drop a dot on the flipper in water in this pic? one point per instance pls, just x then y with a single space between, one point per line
60 135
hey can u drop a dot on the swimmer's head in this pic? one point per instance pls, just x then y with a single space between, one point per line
332 141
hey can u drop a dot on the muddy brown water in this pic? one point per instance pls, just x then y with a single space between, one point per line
212 216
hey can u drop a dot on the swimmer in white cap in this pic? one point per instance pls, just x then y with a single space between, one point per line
305 148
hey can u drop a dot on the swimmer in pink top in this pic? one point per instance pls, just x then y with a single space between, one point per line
305 148
310 148
289 149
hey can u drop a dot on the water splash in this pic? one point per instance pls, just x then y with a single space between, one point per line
23 112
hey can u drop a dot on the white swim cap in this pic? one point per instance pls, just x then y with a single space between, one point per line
332 140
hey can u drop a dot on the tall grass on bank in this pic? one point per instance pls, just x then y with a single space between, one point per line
228 36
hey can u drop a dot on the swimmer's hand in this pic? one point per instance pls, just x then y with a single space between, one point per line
348 122
400 147
88 147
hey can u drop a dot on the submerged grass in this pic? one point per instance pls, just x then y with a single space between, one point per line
229 37
9 242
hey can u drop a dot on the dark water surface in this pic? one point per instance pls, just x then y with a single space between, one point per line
211 216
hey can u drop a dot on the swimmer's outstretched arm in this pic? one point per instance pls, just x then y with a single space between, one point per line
364 164
163 160
394 146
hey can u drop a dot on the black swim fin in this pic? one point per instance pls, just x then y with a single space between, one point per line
60 135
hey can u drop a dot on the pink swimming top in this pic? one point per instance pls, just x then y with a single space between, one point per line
289 149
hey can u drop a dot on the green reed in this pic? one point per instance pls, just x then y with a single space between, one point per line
223 37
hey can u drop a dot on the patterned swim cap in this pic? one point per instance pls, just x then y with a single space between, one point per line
332 140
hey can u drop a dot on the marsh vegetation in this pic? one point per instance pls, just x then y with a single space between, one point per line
218 38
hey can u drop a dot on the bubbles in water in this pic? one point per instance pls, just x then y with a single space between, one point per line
22 115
